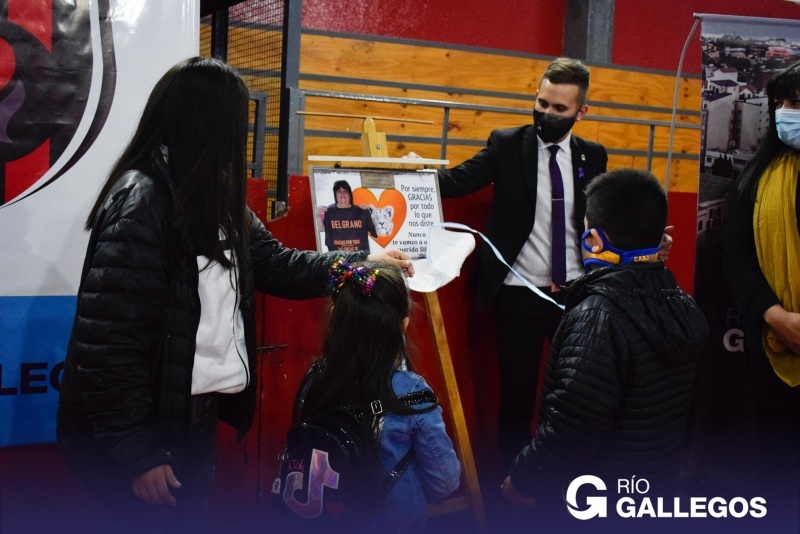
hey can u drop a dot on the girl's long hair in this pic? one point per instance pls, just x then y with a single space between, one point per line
364 343
785 84
199 110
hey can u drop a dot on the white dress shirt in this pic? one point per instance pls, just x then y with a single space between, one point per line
534 260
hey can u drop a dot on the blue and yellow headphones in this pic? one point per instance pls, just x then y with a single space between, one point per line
613 256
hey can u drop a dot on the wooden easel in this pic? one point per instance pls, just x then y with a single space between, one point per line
373 145
374 148
473 498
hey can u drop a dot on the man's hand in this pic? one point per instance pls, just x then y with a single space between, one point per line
153 486
666 244
394 257
785 325
321 213
515 498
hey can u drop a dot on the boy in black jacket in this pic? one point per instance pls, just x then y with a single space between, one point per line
619 379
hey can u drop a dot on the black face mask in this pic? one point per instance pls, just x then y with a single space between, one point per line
550 128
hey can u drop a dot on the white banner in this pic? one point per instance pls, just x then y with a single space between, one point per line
74 77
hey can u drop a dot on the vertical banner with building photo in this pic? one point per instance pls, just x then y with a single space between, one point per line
739 54
358 209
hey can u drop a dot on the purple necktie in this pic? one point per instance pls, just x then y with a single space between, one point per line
558 250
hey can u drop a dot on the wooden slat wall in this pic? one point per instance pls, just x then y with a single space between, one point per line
446 72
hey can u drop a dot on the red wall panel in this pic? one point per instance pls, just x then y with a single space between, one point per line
683 216
635 44
518 25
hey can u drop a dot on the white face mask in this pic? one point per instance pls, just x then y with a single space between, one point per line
787 121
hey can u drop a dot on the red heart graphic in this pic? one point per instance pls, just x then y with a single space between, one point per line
387 225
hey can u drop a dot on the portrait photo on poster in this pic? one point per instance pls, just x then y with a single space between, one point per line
360 209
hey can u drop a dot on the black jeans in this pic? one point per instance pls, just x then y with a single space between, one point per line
522 323
117 509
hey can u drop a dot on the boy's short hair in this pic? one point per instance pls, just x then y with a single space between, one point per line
629 206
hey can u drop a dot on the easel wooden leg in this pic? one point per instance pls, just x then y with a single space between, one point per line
461 434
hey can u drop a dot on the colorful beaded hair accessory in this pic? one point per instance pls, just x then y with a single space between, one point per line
364 277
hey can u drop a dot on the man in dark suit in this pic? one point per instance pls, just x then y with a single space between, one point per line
537 232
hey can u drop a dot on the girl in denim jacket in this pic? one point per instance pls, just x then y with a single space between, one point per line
365 359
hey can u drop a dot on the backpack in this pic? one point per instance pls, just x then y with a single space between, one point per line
329 476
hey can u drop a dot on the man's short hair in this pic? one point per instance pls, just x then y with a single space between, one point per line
570 71
629 206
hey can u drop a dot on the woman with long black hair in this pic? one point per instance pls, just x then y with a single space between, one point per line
163 339
762 248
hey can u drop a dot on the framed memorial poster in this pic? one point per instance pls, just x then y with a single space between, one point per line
373 209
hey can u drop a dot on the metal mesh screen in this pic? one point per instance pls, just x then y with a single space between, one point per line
205 36
255 40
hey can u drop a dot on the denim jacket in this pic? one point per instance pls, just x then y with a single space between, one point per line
435 472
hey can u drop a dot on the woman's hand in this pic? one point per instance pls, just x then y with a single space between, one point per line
666 244
785 325
394 257
153 486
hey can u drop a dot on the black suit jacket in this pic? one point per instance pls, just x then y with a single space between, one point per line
509 161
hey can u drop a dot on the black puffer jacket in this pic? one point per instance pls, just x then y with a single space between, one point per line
618 382
126 387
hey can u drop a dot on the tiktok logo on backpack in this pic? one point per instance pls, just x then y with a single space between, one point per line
320 475
596 506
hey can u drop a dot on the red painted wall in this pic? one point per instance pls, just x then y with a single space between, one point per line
635 44
519 25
